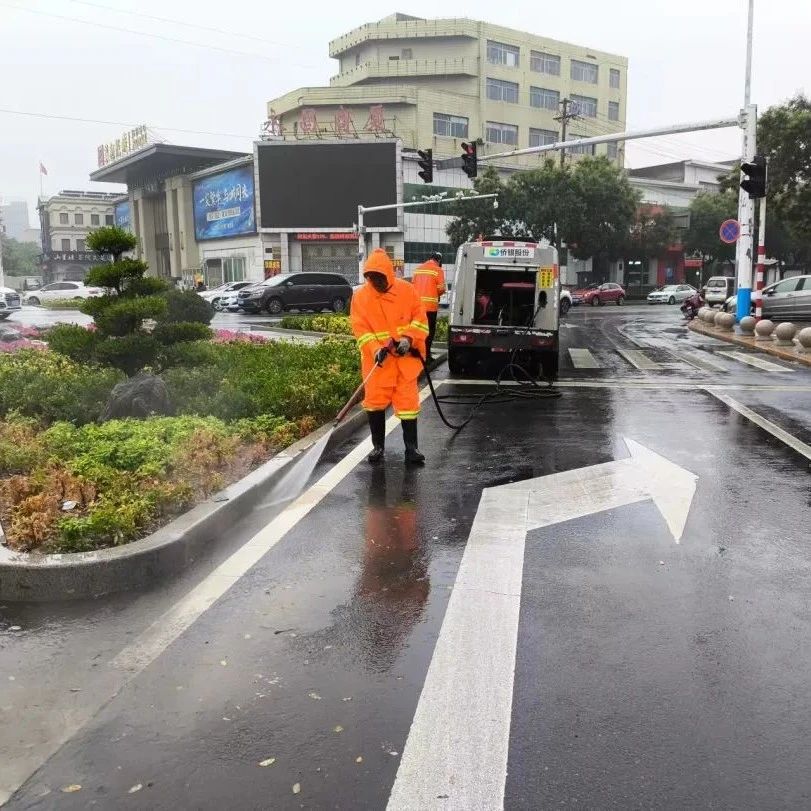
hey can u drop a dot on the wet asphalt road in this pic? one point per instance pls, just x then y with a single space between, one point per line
647 673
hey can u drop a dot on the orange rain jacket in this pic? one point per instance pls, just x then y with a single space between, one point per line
429 279
378 318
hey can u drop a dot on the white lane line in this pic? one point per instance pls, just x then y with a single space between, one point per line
616 383
701 360
757 362
583 359
639 359
767 425
167 628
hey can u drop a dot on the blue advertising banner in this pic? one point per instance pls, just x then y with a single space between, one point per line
122 216
223 204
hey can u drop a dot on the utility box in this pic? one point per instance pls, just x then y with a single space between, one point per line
505 308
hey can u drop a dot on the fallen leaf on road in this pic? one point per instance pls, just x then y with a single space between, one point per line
315 696
296 788
247 636
224 662
358 759
75 689
136 787
338 728
347 698
394 754
15 628
268 762
71 789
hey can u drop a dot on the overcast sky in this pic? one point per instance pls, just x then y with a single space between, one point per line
213 69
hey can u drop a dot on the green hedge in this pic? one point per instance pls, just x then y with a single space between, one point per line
340 324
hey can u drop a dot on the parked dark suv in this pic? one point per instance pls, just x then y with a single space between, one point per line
297 291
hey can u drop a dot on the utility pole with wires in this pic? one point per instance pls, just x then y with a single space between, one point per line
568 112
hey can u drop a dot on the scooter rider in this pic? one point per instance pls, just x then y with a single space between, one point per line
390 325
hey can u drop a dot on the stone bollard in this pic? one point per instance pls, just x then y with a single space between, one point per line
764 330
804 337
747 325
725 321
709 315
784 334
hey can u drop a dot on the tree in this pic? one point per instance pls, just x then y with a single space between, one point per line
20 258
133 303
605 206
652 232
479 217
707 212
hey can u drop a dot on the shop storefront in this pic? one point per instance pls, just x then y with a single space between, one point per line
335 252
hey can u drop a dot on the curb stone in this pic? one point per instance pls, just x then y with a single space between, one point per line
30 577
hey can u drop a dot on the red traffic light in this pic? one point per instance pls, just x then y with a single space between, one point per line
469 160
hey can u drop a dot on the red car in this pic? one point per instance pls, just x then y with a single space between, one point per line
600 294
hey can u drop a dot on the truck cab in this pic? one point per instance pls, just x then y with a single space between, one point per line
505 308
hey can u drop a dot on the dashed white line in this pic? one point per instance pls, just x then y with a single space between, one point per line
757 362
639 359
583 359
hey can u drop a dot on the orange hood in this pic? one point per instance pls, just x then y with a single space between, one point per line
379 262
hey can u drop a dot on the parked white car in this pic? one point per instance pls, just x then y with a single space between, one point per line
671 294
229 302
62 291
9 302
217 295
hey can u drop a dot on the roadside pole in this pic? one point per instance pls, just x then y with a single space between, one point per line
761 260
746 208
388 207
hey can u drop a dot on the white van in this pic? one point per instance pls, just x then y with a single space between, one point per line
718 289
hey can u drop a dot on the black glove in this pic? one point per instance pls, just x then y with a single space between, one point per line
381 354
403 346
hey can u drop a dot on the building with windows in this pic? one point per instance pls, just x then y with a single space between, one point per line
66 219
14 219
436 82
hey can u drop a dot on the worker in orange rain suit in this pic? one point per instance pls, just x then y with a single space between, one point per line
429 279
389 322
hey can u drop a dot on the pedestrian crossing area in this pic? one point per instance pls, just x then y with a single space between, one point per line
661 360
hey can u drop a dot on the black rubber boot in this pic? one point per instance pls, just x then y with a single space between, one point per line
412 454
377 426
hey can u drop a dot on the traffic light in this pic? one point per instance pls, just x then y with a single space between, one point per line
469 160
755 183
426 163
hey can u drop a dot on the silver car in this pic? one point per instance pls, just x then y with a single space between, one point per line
671 294
787 300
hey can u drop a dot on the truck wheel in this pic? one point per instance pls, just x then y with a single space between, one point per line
456 364
565 304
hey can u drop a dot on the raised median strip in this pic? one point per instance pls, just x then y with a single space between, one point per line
793 353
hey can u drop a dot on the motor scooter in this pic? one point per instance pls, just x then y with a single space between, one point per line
692 305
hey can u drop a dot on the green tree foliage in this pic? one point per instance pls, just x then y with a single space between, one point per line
112 241
133 305
707 212
20 258
479 217
651 233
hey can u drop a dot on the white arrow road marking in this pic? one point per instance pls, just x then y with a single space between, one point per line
456 753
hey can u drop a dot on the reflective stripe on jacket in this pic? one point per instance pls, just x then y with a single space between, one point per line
429 279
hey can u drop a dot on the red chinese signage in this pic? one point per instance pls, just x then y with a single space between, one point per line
376 122
273 267
307 122
343 122
336 236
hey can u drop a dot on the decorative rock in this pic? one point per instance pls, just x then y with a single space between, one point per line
784 334
709 315
747 325
725 321
138 397
804 337
764 330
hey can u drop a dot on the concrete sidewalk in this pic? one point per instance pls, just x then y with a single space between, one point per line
794 353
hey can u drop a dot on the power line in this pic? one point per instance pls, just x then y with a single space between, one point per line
77 119
186 23
162 37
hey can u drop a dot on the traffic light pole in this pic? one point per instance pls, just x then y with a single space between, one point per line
746 214
365 209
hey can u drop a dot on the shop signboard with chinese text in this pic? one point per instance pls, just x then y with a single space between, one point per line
130 141
224 204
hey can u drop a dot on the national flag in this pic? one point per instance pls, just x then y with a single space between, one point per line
42 169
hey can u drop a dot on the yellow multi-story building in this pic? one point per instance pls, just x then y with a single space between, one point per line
436 83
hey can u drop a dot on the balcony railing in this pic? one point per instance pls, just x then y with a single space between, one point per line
404 29
404 68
